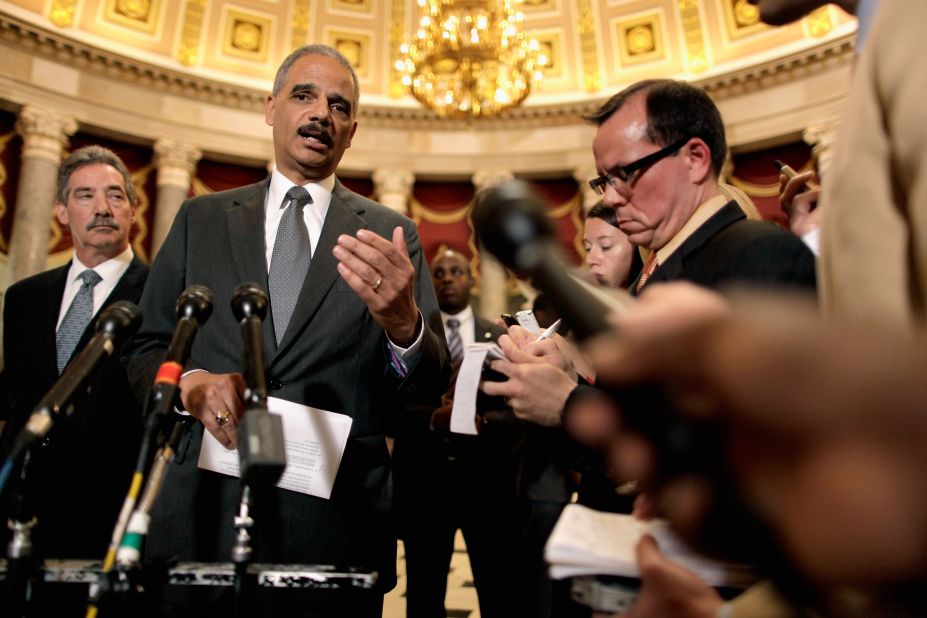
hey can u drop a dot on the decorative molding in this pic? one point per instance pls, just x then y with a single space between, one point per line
696 53
592 81
299 25
189 52
60 48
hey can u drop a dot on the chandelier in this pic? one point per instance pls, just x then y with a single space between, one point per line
469 58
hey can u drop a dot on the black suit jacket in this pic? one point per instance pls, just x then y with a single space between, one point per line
333 356
729 249
81 474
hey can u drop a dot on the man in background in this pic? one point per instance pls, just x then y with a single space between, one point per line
80 474
447 482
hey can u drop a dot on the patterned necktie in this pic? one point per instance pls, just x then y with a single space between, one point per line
290 259
454 342
76 318
649 267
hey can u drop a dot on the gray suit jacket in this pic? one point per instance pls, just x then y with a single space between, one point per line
332 356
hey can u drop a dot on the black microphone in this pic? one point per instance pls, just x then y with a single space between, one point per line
261 449
511 222
116 324
194 307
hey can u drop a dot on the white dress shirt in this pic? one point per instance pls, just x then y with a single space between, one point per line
110 271
467 328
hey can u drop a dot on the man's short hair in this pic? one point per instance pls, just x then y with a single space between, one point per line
317 50
675 110
93 155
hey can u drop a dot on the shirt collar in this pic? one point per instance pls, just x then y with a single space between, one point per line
703 213
466 315
110 270
321 191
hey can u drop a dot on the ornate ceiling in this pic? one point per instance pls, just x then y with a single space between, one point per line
594 46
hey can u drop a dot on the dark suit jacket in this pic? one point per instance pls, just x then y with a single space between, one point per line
729 249
81 474
333 356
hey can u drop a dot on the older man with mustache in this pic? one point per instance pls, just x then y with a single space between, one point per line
347 331
80 475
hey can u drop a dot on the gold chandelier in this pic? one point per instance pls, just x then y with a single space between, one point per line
469 58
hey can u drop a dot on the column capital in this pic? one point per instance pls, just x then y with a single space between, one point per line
395 182
821 136
45 133
487 179
176 163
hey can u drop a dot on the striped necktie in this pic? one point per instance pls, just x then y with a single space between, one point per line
454 342
649 267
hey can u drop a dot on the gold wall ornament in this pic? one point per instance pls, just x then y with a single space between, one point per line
61 13
397 34
355 47
819 22
592 81
640 39
469 58
696 52
247 35
141 15
741 19
189 52
299 24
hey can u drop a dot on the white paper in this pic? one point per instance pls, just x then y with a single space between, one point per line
463 414
590 542
315 441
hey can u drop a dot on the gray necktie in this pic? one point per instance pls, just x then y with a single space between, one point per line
76 319
454 342
290 259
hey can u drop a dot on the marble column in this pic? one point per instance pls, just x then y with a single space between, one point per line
45 139
393 188
176 164
583 175
493 297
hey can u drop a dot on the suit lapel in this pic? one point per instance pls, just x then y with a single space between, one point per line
673 268
47 313
245 219
127 288
323 271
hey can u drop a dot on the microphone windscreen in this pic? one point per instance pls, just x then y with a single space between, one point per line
249 300
120 319
195 302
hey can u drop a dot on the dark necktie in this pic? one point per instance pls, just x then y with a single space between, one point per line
290 259
76 319
454 342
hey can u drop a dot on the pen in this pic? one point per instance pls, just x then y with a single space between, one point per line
550 332
791 173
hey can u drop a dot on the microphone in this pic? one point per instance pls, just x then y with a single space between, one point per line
261 449
194 307
115 325
511 222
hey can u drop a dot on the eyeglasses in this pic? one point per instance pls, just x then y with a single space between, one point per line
627 173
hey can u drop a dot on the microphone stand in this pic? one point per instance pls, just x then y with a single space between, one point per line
194 307
115 324
262 457
20 560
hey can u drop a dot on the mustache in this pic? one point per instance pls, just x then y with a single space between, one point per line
102 221
316 130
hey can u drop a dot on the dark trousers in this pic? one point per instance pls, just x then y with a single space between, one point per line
459 486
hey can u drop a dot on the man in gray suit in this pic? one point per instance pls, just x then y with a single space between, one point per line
347 331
